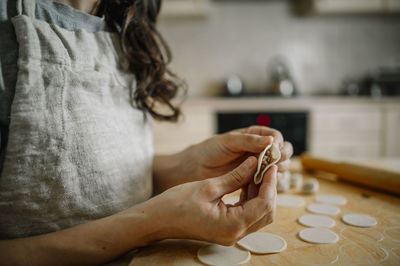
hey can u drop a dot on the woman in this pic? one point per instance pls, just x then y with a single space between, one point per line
78 168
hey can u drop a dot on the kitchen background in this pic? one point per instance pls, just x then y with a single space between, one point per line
243 37
329 50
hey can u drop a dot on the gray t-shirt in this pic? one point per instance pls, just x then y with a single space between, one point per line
55 13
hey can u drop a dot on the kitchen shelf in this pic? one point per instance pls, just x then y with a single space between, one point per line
329 7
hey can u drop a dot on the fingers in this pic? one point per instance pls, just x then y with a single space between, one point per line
243 194
257 207
265 131
286 151
237 178
252 191
268 186
284 166
254 213
245 142
264 221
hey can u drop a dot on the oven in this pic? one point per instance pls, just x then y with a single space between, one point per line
293 125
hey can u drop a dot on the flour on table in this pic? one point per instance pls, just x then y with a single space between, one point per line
289 201
324 209
318 236
360 220
331 199
263 243
222 256
314 220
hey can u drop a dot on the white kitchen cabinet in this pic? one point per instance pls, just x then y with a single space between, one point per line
343 131
392 131
393 5
348 6
184 8
197 125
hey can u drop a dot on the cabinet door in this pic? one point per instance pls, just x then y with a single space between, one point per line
392 132
197 125
393 5
348 6
350 131
184 8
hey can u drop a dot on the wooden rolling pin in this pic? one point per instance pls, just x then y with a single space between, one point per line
368 176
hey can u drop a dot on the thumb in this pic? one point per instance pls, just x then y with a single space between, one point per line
237 178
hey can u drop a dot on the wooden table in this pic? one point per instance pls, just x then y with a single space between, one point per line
378 245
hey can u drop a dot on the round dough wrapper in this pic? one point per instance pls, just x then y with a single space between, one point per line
263 243
360 220
314 220
289 201
318 236
324 209
220 255
331 199
231 200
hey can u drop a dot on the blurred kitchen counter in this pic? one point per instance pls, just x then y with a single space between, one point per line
282 103
338 125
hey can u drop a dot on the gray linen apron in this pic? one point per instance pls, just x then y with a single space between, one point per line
77 149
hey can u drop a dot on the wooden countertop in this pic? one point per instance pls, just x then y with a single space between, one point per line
378 245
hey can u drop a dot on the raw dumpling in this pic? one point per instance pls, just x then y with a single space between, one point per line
268 157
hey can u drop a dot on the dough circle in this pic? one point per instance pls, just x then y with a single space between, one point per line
220 255
331 199
289 201
231 200
263 243
318 236
324 209
314 220
360 220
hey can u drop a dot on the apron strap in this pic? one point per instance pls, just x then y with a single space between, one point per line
26 7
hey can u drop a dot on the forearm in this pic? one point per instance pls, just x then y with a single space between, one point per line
95 242
172 170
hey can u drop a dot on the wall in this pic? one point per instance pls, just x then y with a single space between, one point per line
242 37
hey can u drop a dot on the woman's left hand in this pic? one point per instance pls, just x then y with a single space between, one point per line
217 156
222 153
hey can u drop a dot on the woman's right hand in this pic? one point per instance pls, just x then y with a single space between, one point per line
195 210
191 210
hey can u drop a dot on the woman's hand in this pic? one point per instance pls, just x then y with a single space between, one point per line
192 210
217 156
195 210
224 152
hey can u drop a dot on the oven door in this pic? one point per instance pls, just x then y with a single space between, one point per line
292 125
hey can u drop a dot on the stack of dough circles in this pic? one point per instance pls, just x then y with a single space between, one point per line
263 243
324 209
217 255
289 201
318 236
314 220
360 220
331 199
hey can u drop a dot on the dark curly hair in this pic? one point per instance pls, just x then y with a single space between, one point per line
148 55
